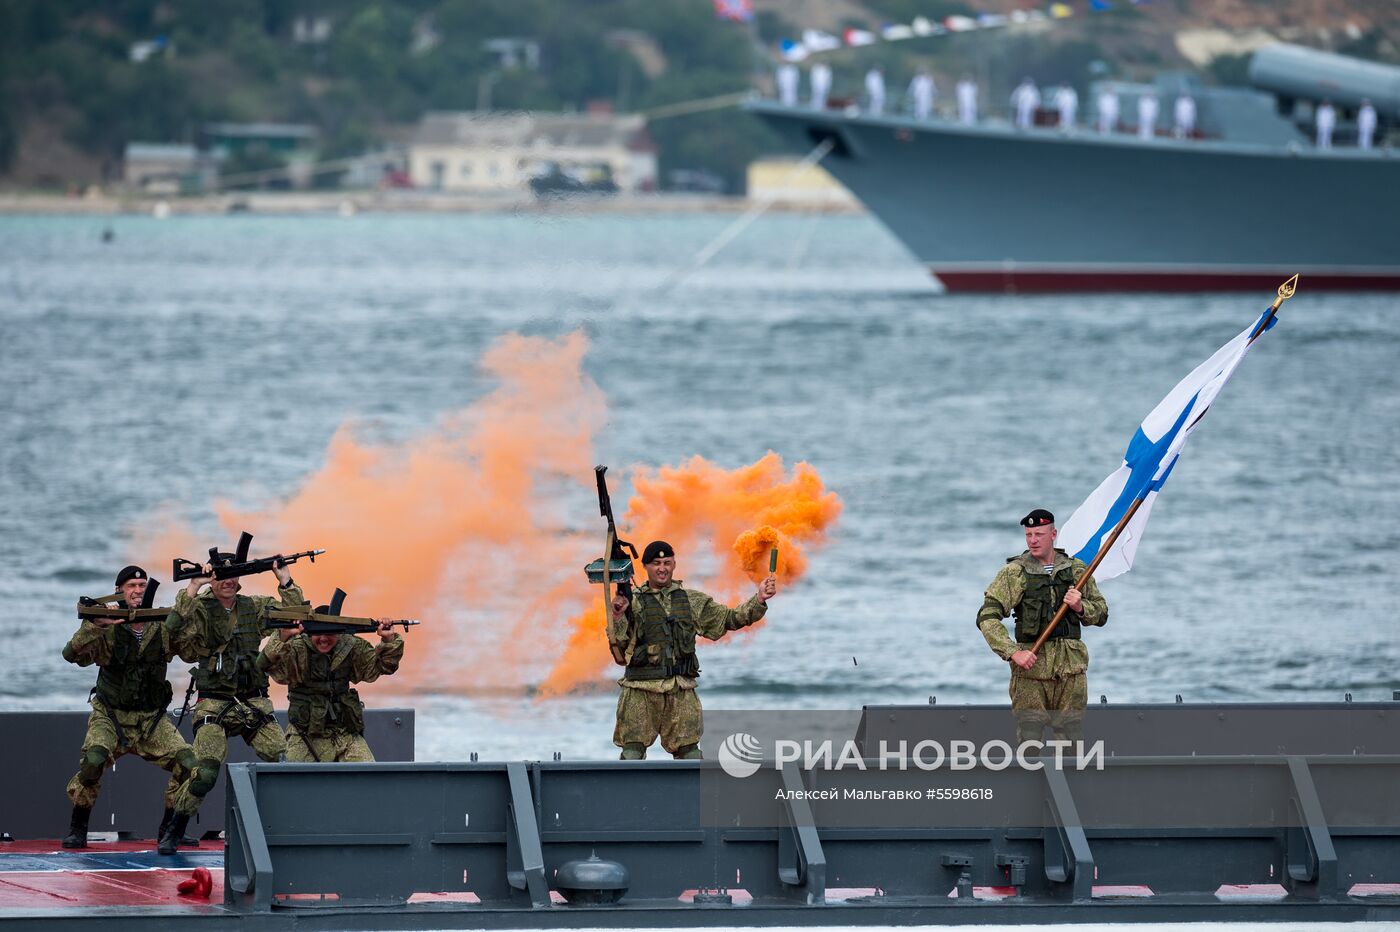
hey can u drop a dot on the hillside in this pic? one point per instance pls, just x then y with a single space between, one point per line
72 93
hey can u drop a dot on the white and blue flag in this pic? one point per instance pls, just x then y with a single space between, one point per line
1151 455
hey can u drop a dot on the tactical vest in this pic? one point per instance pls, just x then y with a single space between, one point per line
325 702
1039 602
230 671
665 643
134 680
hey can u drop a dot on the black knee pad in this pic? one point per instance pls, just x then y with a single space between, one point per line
90 767
186 761
688 752
206 774
634 750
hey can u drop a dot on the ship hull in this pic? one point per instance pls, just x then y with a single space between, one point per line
989 208
1010 278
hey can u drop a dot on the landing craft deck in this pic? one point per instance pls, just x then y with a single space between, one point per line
1275 819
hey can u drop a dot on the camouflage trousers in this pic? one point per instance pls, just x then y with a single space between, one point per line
1058 703
676 716
113 733
215 721
335 746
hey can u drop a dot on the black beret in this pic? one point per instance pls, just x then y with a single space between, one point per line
657 550
1038 518
129 573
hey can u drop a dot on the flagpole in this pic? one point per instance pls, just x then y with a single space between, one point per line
1098 558
1285 291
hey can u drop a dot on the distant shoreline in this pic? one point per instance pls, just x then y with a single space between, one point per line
350 203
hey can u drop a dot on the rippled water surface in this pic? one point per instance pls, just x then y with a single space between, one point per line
204 358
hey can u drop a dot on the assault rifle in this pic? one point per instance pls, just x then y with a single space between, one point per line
114 607
236 564
325 619
614 568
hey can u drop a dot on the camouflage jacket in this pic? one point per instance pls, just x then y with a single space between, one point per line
353 658
132 675
1059 656
712 622
223 641
319 698
93 644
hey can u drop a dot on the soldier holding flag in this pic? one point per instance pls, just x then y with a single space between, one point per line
1052 591
1049 685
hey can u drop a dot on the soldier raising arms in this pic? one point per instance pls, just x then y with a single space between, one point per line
325 717
1032 586
220 629
658 690
128 709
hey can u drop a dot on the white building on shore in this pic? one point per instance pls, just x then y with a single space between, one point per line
168 168
485 152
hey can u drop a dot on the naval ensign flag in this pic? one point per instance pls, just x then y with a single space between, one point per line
1152 453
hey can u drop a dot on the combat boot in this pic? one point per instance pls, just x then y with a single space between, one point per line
77 828
170 841
166 818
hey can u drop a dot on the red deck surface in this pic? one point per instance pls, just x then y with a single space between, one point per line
52 888
53 846
39 887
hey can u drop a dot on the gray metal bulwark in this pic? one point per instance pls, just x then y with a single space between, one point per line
524 854
247 861
1068 858
488 837
1312 860
801 861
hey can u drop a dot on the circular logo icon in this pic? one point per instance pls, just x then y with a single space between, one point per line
740 755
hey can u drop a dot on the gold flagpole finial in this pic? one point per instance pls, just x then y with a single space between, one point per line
1285 291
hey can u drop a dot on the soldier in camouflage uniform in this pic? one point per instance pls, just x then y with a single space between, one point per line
658 690
325 717
128 705
1051 688
220 629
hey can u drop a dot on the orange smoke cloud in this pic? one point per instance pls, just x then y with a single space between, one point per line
458 528
463 528
723 523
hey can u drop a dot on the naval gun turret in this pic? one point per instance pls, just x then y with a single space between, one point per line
1294 73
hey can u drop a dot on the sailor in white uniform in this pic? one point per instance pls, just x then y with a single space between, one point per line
1185 117
875 90
1365 125
787 84
921 93
821 84
1025 99
1326 121
1067 102
1107 107
967 100
1147 116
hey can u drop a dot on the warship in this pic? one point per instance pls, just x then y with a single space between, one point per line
1247 200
